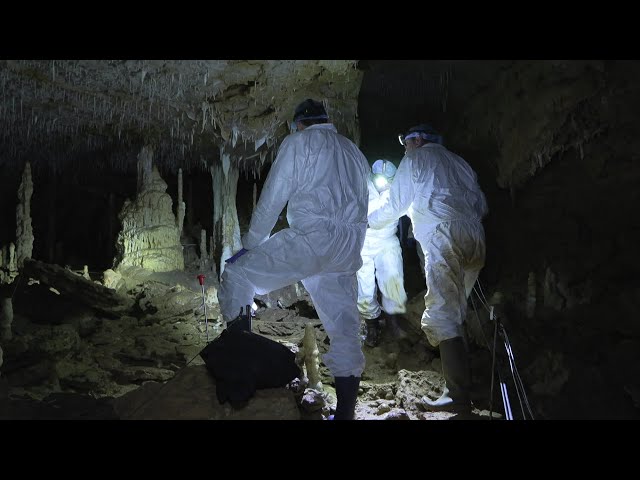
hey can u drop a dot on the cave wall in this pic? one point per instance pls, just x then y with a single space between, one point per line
563 208
555 147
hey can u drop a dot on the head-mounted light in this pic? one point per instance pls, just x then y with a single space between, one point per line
380 181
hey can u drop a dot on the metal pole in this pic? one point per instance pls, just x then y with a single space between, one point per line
204 306
493 366
201 278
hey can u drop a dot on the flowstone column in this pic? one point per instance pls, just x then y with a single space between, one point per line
24 230
225 214
6 318
181 205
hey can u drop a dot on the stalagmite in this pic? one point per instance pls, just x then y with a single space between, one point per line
203 249
51 219
24 230
4 264
531 295
181 204
12 265
255 195
149 237
6 318
311 357
551 294
111 227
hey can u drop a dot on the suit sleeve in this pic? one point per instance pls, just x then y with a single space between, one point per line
277 189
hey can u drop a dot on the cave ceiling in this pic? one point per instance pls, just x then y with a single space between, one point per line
187 110
516 114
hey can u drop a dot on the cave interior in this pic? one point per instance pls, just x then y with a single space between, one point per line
122 180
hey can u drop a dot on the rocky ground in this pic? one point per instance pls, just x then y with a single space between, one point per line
69 361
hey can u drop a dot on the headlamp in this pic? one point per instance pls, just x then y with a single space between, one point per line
380 181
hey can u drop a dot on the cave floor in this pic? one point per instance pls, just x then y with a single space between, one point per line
66 361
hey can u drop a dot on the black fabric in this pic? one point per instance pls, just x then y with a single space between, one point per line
424 128
242 322
242 362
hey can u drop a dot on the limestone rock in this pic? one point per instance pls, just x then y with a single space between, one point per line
191 395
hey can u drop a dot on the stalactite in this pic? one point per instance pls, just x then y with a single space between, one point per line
225 183
154 101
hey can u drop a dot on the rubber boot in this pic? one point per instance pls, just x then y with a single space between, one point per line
373 332
347 393
457 375
241 322
395 326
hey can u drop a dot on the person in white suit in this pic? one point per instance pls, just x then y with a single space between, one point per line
381 263
440 193
321 176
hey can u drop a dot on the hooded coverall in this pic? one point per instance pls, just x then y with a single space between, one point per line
322 175
439 192
381 262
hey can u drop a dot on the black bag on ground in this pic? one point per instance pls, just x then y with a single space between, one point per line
242 362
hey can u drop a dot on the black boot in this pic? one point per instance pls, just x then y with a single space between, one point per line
396 325
241 322
457 375
373 332
347 393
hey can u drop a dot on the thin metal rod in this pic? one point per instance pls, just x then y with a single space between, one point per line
505 400
206 322
493 367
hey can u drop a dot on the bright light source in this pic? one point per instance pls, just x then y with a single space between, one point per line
380 182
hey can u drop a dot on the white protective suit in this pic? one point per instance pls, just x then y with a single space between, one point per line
439 192
381 261
322 175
